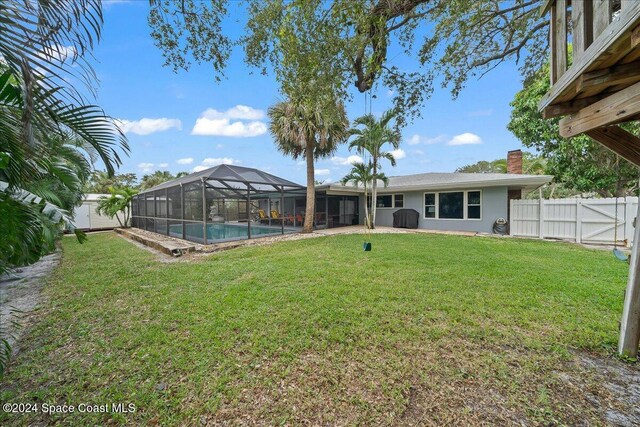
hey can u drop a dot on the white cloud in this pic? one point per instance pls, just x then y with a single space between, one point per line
219 146
398 154
239 112
466 138
419 139
220 123
224 127
481 113
163 165
146 167
414 140
435 140
219 161
61 53
147 126
185 161
57 54
344 161
418 152
215 161
322 172
107 3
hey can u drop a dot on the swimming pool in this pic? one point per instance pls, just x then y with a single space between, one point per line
221 231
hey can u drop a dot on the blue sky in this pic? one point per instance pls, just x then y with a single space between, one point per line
185 121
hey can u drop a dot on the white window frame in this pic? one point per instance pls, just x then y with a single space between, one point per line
424 206
393 200
466 205
465 213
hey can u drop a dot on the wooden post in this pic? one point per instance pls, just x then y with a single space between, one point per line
582 20
541 220
630 323
628 220
601 16
578 221
626 4
558 40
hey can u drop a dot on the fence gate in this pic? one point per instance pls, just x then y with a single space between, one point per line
579 220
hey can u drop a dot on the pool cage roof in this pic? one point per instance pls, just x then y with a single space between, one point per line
235 179
217 204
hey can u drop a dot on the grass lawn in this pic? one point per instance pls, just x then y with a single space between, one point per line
425 329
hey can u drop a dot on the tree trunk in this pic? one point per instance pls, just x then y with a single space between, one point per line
374 194
311 189
119 222
367 220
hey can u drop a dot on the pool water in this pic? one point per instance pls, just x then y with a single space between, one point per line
221 231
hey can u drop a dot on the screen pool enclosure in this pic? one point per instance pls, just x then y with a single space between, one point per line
220 204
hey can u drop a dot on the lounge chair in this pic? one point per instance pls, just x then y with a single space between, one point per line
288 219
262 216
275 215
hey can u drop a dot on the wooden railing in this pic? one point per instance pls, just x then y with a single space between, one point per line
578 22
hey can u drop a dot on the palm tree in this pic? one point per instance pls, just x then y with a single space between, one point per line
117 203
100 181
48 134
49 137
311 131
156 178
371 138
363 174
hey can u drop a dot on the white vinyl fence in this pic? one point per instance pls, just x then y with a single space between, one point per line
579 220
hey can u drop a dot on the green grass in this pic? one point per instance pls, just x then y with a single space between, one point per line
423 329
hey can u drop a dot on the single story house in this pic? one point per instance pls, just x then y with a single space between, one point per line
229 202
448 201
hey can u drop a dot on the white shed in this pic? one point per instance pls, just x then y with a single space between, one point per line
86 218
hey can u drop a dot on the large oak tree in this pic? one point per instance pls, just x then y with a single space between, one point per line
449 41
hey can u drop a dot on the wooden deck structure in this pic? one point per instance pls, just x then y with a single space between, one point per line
596 91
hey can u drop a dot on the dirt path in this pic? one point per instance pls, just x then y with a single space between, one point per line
20 294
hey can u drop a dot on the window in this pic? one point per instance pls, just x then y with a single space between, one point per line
388 201
385 201
453 205
430 205
473 205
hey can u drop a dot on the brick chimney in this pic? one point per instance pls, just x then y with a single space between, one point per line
514 161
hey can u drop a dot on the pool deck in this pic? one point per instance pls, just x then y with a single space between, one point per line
165 244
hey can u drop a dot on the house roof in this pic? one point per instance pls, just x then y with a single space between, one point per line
447 181
236 177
